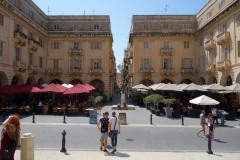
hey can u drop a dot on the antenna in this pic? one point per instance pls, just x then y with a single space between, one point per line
84 12
93 11
48 10
166 8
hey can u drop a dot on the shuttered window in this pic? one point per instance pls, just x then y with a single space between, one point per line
75 45
30 58
55 63
165 44
56 45
186 44
40 62
75 63
186 63
1 19
225 53
1 48
146 63
18 56
167 63
145 45
212 58
202 62
96 64
96 45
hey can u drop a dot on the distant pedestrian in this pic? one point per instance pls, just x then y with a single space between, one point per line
104 130
215 115
210 125
202 123
114 126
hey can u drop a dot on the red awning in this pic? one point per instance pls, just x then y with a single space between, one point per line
7 90
26 88
77 89
54 88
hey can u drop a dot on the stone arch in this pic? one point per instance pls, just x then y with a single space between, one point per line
17 79
30 80
146 82
211 79
75 81
229 81
100 85
202 81
224 78
3 79
167 81
40 81
56 81
186 81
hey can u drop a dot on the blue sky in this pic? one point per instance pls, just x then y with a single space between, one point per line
120 12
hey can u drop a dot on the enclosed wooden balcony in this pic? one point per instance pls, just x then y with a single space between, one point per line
75 71
54 71
147 71
223 38
167 71
223 65
188 71
32 45
20 66
75 52
210 68
210 44
166 51
32 69
20 38
95 71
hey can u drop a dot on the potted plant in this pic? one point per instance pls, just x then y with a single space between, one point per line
135 99
168 102
156 98
147 100
91 103
98 100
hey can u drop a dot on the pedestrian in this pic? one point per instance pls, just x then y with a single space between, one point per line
210 126
114 127
104 130
202 123
215 115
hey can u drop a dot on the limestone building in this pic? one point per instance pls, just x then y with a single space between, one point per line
202 48
36 48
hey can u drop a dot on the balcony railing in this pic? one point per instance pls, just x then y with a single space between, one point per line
167 71
187 71
146 71
95 71
223 38
75 52
210 68
20 66
166 51
210 44
223 65
75 71
54 71
32 45
32 69
20 38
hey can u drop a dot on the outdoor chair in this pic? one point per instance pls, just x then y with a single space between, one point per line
55 110
27 110
63 109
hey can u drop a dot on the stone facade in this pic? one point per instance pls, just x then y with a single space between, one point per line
36 48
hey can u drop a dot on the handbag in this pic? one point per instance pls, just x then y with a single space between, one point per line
6 153
104 130
110 134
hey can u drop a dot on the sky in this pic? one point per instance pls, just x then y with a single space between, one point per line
120 12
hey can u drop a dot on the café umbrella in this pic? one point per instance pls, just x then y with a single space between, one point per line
77 89
204 100
54 88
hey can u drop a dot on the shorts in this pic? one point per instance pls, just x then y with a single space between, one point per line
211 127
105 135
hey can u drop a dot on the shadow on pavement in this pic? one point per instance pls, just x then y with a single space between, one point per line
217 155
117 154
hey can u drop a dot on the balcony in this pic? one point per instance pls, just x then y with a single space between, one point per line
75 71
20 66
223 38
210 44
187 71
166 51
146 71
223 65
20 38
210 68
167 71
32 44
32 69
55 71
95 71
75 52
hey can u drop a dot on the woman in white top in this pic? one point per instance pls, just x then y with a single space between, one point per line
114 126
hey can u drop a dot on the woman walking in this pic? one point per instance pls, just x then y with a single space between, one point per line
210 126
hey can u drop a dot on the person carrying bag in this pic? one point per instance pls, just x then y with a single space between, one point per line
114 130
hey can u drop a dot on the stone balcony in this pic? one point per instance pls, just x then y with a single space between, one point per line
210 68
188 71
223 38
20 38
167 71
223 65
147 71
75 71
32 45
32 69
20 66
166 51
210 44
95 71
75 52
54 71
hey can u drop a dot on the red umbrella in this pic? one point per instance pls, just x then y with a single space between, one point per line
38 86
26 88
7 90
54 88
76 90
88 86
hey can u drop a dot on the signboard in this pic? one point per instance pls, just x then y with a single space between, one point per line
122 98
93 117
122 118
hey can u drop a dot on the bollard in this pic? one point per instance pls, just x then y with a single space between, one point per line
33 121
151 119
3 117
182 120
63 142
27 146
209 151
64 118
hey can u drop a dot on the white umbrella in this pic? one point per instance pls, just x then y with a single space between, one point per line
169 87
157 86
204 100
234 87
194 87
152 86
141 86
183 85
217 87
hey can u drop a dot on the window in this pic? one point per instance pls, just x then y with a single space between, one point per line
211 35
75 64
41 43
202 62
212 58
55 45
225 53
209 14
186 44
186 63
18 4
30 36
40 62
201 42
75 45
30 58
224 27
238 48
145 45
55 63
145 26
221 4
96 27
96 64
200 22
75 27
1 19
56 27
18 28
166 63
42 23
185 26
96 45
1 48
165 26
146 63
18 54
31 15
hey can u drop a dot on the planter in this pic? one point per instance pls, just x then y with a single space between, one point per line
45 110
157 112
153 111
168 112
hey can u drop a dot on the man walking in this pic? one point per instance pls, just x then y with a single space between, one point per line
104 130
114 126
214 114
202 123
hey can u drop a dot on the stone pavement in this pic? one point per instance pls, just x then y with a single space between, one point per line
99 155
